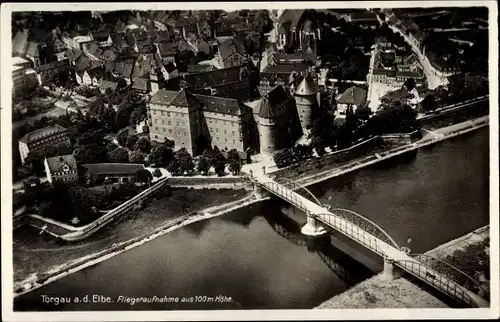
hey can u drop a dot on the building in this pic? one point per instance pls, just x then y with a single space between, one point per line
176 116
306 98
61 168
280 74
237 82
103 38
354 97
294 26
111 172
277 120
31 184
47 136
231 53
47 72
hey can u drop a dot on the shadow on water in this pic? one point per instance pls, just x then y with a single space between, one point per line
345 267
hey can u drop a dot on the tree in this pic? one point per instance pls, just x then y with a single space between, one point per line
144 176
235 166
218 161
118 155
122 118
410 84
182 163
161 156
143 145
122 137
284 158
45 209
203 165
131 142
429 103
157 173
135 157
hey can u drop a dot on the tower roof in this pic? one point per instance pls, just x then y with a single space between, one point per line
270 103
307 86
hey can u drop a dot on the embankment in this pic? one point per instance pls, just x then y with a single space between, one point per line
376 292
38 280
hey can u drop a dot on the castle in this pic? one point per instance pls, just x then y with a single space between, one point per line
195 120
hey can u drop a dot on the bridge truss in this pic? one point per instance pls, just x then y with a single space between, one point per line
363 225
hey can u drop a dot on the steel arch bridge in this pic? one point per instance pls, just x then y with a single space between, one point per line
436 273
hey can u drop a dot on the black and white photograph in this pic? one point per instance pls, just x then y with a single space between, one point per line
302 159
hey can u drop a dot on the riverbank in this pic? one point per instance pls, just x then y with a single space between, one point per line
374 156
40 259
402 293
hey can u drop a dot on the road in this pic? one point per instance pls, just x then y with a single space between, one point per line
434 77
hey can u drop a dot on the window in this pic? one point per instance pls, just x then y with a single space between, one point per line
162 113
225 132
177 123
156 136
234 141
216 130
170 131
162 121
164 129
168 113
156 128
169 122
232 133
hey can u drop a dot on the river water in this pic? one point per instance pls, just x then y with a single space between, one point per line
257 257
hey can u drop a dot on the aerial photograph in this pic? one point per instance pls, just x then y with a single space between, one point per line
269 159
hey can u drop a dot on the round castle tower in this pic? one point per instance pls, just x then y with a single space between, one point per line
306 99
267 127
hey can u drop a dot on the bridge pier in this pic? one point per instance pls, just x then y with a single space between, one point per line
260 192
391 272
313 227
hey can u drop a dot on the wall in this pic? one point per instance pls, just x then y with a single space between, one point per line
71 233
210 183
339 156
401 138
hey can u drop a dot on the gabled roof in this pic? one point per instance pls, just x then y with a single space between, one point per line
38 134
112 168
73 54
124 69
214 78
33 49
57 163
166 49
220 105
108 55
230 47
193 69
170 67
141 84
163 97
141 69
269 104
292 16
184 99
353 96
20 42
101 35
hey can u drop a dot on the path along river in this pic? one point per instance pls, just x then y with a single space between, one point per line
257 256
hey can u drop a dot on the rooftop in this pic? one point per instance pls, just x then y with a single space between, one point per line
112 168
56 164
269 104
40 133
353 96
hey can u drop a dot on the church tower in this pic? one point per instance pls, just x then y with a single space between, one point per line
306 97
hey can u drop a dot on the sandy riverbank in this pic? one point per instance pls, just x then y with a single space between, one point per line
376 292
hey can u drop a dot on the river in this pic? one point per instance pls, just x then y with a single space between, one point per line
257 257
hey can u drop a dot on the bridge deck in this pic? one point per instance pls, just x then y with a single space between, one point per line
400 258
